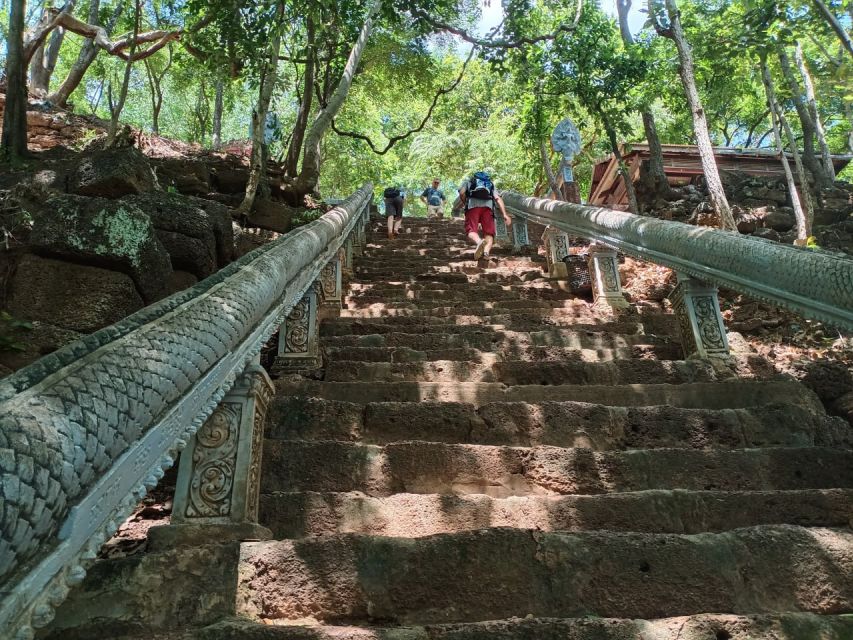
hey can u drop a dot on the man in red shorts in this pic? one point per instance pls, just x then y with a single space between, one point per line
479 198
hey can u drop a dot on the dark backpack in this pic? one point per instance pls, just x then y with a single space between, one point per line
481 187
391 192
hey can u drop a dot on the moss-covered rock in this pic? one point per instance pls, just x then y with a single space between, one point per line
115 235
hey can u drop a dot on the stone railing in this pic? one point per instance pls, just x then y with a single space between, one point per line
87 431
812 283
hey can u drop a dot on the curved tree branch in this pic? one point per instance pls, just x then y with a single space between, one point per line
395 139
487 42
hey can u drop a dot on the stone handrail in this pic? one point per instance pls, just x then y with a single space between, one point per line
815 284
86 431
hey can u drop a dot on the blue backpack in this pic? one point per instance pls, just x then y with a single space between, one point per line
481 187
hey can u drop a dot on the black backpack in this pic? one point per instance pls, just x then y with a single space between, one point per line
391 192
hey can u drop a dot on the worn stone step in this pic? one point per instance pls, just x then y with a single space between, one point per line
361 322
486 339
406 515
391 286
517 372
500 573
698 395
472 294
454 277
562 424
785 626
500 352
579 309
428 467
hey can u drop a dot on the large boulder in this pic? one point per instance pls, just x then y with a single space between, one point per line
230 179
114 235
71 296
189 177
112 173
196 233
779 220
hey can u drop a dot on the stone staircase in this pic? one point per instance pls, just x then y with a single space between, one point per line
486 447
487 456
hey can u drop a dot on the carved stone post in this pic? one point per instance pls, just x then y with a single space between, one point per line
299 337
357 237
604 273
697 308
500 227
519 232
331 287
216 496
556 248
346 258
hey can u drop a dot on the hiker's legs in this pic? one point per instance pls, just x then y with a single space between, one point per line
398 224
472 225
390 226
488 241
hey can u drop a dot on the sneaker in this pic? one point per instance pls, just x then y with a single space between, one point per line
478 252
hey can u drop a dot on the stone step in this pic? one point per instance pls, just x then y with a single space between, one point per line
486 339
428 467
500 573
785 626
561 424
361 322
697 395
500 352
517 372
406 515
461 294
454 277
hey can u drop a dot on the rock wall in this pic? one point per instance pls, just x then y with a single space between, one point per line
762 207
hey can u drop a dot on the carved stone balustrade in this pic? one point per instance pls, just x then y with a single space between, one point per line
700 323
520 237
331 288
815 284
604 273
501 232
86 431
556 248
216 496
299 336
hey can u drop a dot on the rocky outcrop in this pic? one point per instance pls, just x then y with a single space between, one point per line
196 233
112 173
103 233
71 296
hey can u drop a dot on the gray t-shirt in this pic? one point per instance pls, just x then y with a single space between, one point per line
478 202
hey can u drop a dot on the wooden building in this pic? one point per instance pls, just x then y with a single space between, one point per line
682 166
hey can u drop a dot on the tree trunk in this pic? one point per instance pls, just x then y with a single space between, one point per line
655 173
776 117
44 63
310 173
622 9
826 156
807 125
87 55
217 115
843 36
14 138
291 163
700 123
633 207
549 171
269 76
115 111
